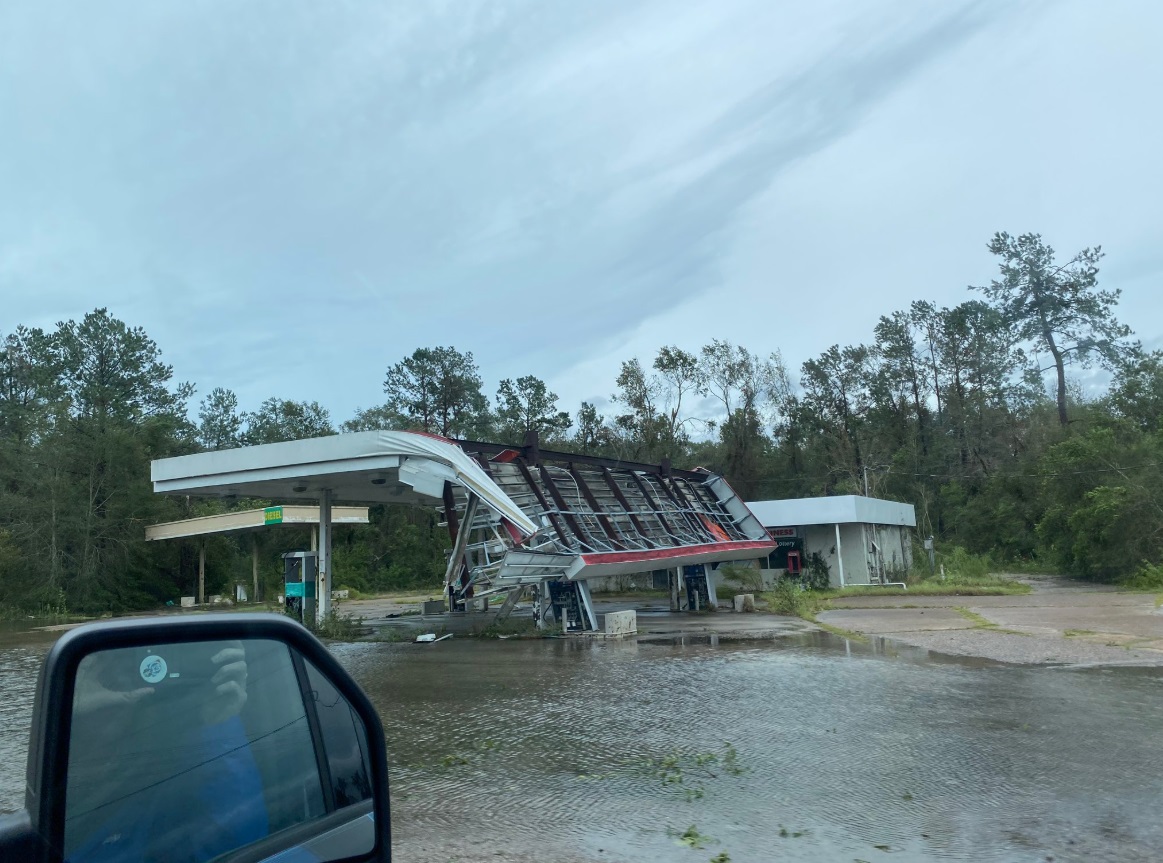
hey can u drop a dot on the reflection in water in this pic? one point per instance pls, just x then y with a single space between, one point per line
552 751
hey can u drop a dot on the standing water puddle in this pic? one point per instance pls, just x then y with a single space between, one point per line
800 749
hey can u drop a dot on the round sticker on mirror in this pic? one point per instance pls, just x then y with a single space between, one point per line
153 669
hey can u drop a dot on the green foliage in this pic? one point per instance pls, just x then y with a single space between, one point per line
1137 394
219 422
526 406
792 598
1103 502
816 574
438 390
746 578
688 773
1147 577
963 567
340 627
1058 308
692 838
513 627
282 420
381 418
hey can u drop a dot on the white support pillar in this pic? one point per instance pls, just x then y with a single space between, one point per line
201 571
839 555
254 565
323 599
867 558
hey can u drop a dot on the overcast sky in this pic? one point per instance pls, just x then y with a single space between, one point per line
289 196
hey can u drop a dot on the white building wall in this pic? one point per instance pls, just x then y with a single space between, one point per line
821 539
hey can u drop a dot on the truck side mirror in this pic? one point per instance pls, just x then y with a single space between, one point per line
232 738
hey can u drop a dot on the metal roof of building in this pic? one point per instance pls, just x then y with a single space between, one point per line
841 509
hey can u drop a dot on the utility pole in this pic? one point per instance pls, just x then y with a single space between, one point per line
866 480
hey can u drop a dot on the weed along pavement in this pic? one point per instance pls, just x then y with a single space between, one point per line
1060 621
399 619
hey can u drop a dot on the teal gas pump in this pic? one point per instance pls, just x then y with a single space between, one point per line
299 570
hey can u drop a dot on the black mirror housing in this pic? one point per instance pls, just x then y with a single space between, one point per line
358 796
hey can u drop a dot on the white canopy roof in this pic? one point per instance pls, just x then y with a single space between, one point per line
842 509
365 467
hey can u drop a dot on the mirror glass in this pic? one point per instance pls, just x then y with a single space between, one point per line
189 751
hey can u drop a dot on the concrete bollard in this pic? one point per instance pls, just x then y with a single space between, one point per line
621 623
187 602
745 602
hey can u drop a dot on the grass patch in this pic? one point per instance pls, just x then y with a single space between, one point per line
1075 633
402 597
521 627
973 617
851 635
791 598
340 627
1003 587
980 622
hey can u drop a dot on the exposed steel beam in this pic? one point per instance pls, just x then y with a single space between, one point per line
603 519
620 496
685 508
545 507
645 489
563 507
450 511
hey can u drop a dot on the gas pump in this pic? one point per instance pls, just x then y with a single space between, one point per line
700 589
299 571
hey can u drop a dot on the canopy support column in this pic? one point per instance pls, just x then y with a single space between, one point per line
201 572
839 555
254 565
323 600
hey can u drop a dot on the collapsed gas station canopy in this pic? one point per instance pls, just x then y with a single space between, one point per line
516 515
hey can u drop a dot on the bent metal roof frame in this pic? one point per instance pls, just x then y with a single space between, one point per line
531 514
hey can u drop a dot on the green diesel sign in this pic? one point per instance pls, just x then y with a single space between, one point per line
272 515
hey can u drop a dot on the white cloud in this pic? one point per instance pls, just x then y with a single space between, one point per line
290 199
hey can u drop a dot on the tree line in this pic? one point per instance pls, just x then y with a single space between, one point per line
968 412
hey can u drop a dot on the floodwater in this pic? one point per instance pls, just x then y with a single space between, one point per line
823 750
